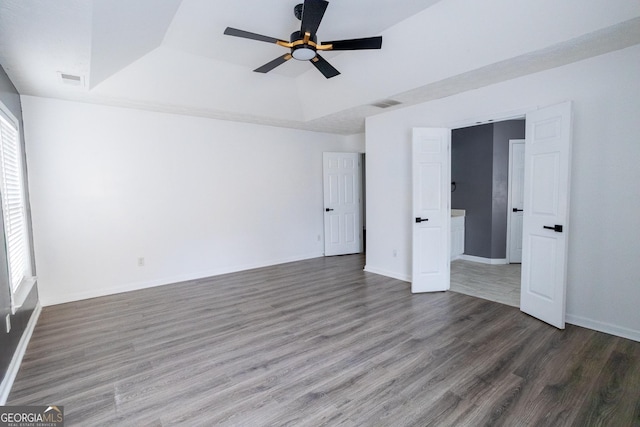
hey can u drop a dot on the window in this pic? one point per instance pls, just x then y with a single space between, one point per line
14 210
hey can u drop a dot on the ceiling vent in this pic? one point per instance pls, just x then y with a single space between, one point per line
71 79
386 103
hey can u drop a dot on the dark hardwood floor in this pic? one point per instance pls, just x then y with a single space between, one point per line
320 342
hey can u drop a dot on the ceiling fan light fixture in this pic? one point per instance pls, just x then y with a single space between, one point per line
303 53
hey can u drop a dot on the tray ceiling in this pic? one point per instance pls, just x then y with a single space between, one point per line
172 56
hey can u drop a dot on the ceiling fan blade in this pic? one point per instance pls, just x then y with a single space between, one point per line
273 64
324 67
356 44
247 35
312 13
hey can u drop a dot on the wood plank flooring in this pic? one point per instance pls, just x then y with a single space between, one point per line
320 342
500 283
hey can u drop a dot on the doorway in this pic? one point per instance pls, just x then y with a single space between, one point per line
481 164
546 195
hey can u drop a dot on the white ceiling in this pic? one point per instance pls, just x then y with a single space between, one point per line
172 56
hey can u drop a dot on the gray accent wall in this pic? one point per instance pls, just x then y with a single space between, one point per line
480 169
10 97
471 170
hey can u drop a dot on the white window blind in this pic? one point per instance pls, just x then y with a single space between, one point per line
13 203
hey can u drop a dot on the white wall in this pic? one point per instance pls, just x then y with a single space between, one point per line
604 246
195 197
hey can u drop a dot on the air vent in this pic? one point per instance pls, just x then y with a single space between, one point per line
71 79
386 103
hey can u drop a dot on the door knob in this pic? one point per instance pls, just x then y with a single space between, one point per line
419 220
328 210
518 210
557 228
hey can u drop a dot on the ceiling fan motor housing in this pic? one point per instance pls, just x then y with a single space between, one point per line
303 51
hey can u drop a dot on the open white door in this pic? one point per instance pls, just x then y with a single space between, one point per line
342 219
546 213
431 221
516 200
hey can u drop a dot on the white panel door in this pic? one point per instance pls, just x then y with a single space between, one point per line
546 213
342 221
516 199
431 221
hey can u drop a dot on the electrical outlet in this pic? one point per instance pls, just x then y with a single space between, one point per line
141 262
8 321
395 253
319 237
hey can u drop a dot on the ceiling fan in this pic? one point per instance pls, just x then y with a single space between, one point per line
304 43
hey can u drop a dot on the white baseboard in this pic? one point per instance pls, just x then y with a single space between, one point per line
14 366
492 261
607 328
404 278
62 298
